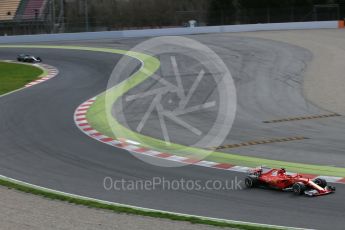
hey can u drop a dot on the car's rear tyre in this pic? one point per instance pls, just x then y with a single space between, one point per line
298 188
251 182
320 182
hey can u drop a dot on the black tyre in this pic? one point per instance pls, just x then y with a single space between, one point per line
298 188
320 182
330 188
251 182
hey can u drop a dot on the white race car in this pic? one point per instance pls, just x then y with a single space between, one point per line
28 58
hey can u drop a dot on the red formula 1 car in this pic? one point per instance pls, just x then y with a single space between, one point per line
281 180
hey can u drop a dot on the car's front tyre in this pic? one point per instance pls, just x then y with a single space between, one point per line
330 188
320 182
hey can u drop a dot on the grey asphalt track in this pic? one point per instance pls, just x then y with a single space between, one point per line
41 145
269 81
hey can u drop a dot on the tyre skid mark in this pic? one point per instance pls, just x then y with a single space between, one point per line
259 142
303 118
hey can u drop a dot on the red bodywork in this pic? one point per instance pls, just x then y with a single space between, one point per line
280 179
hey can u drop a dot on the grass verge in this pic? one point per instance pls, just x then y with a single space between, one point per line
131 210
15 76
